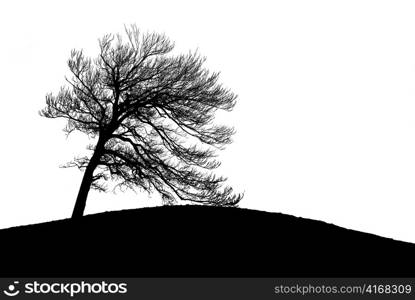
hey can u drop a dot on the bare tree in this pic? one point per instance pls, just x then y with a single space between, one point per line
151 113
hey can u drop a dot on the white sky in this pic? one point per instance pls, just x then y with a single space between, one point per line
325 119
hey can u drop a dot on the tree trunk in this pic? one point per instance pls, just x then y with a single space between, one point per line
87 180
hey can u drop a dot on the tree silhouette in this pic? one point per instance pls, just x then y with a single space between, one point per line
151 113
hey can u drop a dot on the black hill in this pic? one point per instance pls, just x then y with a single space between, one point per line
202 241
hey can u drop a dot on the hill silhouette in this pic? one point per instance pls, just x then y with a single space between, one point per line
203 241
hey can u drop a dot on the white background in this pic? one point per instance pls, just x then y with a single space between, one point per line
325 119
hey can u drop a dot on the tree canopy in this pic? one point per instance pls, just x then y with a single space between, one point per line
152 113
